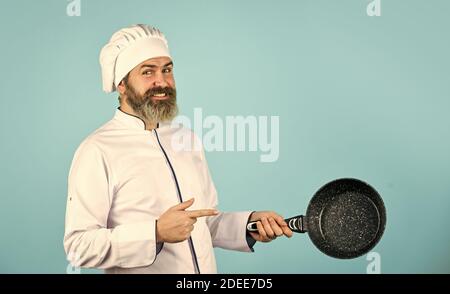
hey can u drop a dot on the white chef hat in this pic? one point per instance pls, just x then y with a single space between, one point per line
127 48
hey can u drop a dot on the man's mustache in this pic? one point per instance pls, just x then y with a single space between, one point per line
169 91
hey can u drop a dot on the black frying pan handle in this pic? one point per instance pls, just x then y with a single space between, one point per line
296 224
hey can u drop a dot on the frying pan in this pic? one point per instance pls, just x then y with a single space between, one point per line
345 218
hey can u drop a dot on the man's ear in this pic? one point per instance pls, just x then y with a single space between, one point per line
121 88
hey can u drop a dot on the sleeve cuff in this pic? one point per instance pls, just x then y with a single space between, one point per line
136 244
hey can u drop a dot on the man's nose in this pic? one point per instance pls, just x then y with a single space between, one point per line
159 80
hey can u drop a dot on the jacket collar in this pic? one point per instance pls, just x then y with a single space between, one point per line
130 120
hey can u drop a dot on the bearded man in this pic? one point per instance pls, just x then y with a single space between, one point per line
135 203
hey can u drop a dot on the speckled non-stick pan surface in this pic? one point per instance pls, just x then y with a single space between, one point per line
346 218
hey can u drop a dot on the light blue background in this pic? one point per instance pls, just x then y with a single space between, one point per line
357 96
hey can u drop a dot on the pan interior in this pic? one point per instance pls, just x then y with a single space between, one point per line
349 222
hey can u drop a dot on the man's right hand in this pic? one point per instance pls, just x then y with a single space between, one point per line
176 224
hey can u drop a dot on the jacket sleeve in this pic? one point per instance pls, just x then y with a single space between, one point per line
88 242
228 229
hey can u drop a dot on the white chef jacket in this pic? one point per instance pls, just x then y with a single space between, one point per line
122 178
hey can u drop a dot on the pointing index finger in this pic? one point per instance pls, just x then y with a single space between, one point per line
202 212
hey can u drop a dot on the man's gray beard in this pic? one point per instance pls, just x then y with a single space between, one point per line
149 110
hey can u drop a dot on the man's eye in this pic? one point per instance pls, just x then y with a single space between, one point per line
167 70
147 72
